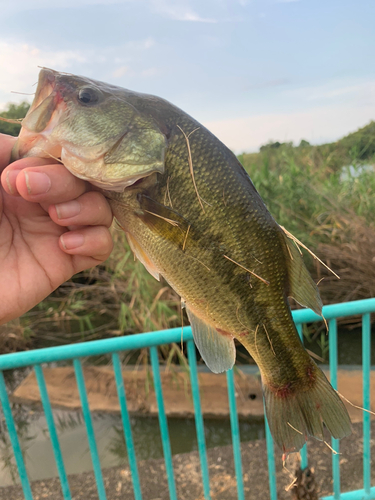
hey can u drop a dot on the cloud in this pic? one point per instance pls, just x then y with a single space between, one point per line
317 125
353 90
325 92
22 60
22 5
268 84
121 71
149 72
179 11
127 70
144 44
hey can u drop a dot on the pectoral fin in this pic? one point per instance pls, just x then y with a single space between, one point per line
302 287
217 350
164 221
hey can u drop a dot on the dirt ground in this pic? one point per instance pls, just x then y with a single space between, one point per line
222 478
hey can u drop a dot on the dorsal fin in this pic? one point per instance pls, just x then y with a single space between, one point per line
302 287
217 350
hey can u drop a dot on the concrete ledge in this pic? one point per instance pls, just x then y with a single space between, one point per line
102 394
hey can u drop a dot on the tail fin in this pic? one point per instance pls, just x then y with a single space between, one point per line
293 417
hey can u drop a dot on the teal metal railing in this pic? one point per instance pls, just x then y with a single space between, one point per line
151 340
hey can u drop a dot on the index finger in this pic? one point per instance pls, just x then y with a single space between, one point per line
6 145
49 184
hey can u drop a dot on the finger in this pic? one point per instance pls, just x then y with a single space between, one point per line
94 242
6 145
10 174
90 209
49 184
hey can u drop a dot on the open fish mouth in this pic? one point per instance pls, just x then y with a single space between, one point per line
46 112
46 86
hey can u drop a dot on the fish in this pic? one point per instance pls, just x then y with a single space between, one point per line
192 215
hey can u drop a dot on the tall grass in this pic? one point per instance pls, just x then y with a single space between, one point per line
330 210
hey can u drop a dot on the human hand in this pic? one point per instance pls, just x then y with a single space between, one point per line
51 227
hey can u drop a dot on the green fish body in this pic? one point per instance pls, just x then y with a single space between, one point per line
192 215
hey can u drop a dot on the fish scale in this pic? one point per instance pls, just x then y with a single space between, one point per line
192 215
222 289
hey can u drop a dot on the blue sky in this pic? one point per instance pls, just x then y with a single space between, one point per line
250 70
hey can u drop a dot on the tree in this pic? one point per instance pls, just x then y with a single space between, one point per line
14 111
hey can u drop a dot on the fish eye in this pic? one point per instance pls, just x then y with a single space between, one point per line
88 96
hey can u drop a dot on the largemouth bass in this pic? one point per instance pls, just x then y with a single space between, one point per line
192 215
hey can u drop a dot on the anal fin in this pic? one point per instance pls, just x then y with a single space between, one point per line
217 350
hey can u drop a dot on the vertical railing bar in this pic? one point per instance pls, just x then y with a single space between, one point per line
236 442
89 428
198 419
303 451
163 423
270 460
52 432
126 425
333 380
25 483
366 367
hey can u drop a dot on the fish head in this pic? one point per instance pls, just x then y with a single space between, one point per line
99 136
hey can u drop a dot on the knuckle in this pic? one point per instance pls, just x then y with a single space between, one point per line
97 208
106 242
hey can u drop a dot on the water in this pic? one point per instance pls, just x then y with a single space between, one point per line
71 429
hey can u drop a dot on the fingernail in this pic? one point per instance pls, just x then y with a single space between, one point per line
11 180
71 240
68 209
37 183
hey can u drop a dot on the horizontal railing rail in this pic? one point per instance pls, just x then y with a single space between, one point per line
152 340
141 340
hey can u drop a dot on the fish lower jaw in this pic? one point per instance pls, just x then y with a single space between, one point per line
92 172
107 184
30 144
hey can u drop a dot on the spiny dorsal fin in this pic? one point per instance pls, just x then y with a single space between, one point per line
217 350
302 287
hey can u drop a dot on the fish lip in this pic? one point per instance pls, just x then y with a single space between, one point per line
46 86
33 138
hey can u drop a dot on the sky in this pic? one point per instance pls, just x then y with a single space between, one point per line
252 71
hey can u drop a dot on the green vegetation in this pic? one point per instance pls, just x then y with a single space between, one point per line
324 195
14 111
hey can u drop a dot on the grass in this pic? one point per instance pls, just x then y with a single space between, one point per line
328 208
321 194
